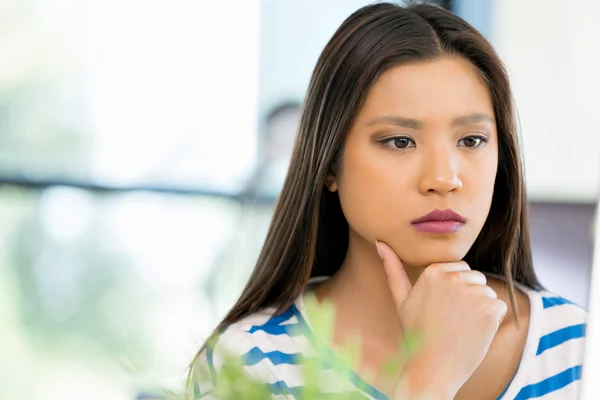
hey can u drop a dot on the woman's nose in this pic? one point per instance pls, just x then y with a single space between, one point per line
440 173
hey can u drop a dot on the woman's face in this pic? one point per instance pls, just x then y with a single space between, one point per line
424 140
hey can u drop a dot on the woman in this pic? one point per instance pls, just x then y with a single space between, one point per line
406 192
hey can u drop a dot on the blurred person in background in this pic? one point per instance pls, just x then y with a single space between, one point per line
404 207
275 150
232 268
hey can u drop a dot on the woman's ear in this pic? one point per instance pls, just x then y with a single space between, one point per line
331 180
331 183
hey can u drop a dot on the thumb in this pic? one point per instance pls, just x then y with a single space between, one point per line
400 285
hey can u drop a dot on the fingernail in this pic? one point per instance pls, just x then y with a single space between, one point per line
378 249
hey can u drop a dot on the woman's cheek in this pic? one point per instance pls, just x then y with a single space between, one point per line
372 209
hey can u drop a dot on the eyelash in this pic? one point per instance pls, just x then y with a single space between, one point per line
386 142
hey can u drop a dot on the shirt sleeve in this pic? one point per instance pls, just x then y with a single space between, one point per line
224 366
203 375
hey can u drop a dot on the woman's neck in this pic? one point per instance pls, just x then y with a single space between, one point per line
360 293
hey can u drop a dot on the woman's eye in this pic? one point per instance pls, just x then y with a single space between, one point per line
473 141
399 142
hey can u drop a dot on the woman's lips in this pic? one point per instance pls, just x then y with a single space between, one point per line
439 222
439 227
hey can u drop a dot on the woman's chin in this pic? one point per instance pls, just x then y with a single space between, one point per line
426 258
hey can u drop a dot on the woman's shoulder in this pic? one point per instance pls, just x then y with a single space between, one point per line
556 313
558 328
263 345
249 335
552 360
266 330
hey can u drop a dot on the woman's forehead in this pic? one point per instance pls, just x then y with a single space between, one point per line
446 87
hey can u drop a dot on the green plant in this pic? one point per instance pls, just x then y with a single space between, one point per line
233 383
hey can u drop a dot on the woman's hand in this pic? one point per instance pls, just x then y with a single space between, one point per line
455 315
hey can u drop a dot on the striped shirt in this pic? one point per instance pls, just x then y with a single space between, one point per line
272 349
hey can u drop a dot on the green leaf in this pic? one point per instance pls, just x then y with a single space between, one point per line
233 383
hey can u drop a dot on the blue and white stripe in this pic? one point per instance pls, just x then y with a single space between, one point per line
273 349
552 361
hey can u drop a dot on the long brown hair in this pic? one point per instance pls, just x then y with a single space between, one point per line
308 235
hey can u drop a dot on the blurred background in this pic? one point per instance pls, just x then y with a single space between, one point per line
143 145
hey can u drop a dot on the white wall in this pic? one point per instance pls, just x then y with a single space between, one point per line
552 51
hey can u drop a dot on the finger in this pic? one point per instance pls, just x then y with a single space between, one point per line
498 310
454 266
482 290
503 310
471 276
490 292
400 285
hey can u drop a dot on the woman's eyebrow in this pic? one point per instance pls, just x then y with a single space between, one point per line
416 124
472 119
396 120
